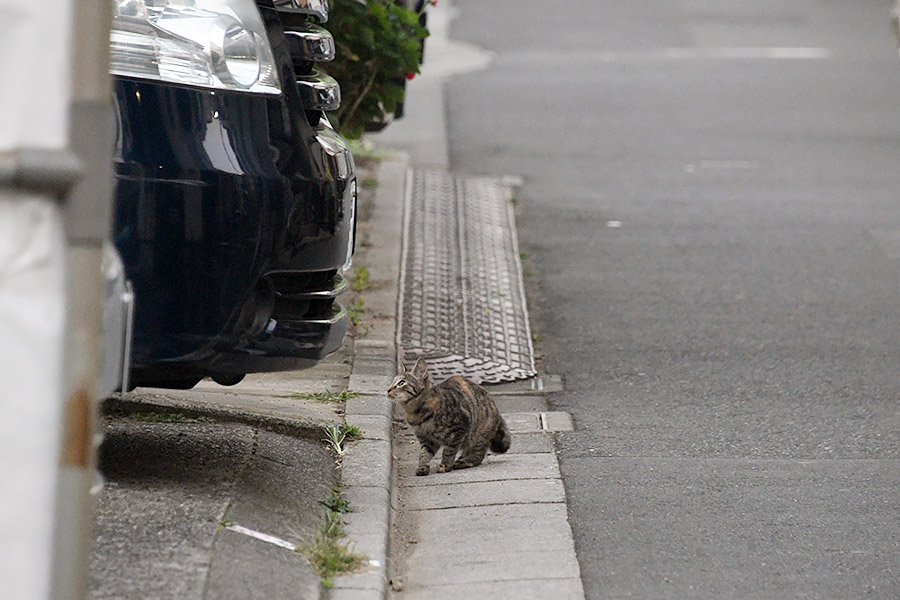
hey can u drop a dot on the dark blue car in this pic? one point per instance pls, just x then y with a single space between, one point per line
234 199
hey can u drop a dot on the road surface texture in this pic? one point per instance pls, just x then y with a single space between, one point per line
711 209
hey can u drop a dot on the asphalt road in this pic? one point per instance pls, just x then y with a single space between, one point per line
712 208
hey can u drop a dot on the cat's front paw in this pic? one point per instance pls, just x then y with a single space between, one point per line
423 470
462 465
443 468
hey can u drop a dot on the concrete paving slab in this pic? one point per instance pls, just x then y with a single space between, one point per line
368 346
374 427
486 493
524 589
331 374
369 405
377 365
557 421
355 594
492 540
372 579
511 565
479 519
523 422
370 384
367 464
370 508
495 467
247 408
520 403
531 443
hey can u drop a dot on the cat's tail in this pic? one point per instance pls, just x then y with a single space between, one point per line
501 441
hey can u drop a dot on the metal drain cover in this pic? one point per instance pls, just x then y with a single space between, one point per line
462 302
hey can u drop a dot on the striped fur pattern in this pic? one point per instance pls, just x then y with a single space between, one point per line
456 415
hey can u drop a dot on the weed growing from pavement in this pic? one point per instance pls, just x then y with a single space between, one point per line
359 281
324 396
337 503
355 312
369 182
328 556
337 436
352 432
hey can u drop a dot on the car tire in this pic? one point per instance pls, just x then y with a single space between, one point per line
228 380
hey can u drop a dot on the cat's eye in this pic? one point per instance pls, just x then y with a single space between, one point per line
401 382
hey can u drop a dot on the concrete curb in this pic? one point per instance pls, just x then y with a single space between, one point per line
367 469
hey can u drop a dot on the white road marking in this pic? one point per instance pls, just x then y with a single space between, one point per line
265 537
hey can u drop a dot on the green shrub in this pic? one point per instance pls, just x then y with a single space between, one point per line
378 44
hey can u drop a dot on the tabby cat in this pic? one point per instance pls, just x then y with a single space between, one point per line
458 415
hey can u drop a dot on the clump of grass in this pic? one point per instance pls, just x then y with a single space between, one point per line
359 281
328 556
334 439
324 396
337 436
337 503
355 312
369 182
352 432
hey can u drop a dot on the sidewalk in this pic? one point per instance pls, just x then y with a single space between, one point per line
499 530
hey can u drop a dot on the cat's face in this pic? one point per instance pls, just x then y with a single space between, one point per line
409 384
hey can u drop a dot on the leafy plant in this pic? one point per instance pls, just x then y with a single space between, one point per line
360 279
352 432
337 503
378 44
355 311
336 437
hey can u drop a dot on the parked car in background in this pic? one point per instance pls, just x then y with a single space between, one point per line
235 199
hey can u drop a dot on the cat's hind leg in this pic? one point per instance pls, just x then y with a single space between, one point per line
471 456
447 456
425 456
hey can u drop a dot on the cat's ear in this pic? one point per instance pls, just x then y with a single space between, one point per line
421 369
401 368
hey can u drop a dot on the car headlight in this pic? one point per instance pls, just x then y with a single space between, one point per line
216 44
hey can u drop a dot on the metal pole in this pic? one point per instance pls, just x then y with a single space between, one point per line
87 222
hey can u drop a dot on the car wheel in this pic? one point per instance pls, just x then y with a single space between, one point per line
228 379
